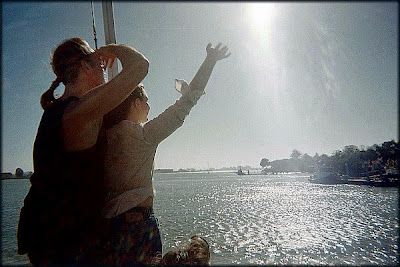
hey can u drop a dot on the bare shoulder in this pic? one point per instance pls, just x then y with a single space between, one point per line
80 136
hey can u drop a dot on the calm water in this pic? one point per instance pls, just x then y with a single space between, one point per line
259 219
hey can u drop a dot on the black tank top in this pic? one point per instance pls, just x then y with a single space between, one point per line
66 194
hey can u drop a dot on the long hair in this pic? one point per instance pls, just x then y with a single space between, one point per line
64 61
121 111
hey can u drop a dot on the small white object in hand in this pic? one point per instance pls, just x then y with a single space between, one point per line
181 86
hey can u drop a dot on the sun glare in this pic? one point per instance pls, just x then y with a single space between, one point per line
261 15
268 56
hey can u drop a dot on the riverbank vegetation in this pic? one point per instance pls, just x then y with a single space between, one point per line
351 160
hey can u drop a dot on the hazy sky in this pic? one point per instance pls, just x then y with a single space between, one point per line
307 76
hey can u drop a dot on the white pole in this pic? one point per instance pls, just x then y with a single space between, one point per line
109 32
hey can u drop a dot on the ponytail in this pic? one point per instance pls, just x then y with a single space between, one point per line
63 62
47 100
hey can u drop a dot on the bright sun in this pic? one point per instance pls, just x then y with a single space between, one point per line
261 15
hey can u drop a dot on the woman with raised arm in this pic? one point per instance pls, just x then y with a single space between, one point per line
135 236
60 221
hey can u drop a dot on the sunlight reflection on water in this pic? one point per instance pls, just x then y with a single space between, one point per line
256 219
280 220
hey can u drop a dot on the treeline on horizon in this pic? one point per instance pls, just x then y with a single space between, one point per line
375 158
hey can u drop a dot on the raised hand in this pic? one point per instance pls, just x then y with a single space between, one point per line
217 53
214 54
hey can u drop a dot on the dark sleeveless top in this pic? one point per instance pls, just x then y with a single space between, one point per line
61 213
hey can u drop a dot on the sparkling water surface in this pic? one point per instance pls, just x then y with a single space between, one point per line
259 219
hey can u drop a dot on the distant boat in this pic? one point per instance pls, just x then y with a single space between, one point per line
390 178
325 175
346 179
240 172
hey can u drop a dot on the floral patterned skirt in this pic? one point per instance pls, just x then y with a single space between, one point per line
136 242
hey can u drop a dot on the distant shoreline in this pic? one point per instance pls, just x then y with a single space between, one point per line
15 178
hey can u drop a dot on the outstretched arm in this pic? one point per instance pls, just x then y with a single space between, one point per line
202 76
172 118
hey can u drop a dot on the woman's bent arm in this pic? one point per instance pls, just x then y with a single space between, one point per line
82 118
103 98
